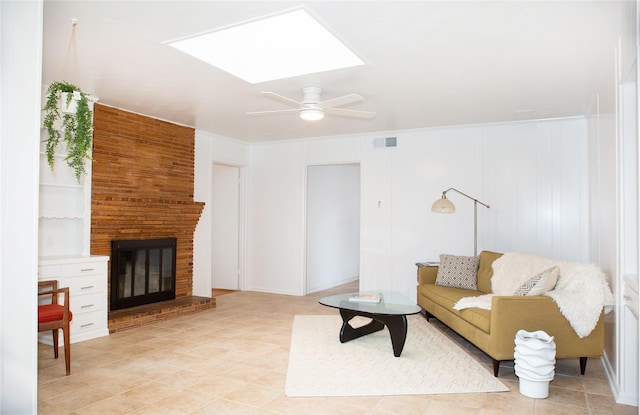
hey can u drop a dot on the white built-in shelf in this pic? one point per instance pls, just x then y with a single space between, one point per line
61 217
63 186
64 225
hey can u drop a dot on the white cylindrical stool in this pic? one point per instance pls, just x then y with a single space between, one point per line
534 362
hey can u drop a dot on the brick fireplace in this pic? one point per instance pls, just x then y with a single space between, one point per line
142 186
142 272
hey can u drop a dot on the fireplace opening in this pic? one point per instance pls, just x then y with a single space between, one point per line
142 272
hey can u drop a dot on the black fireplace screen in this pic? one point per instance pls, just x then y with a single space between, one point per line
142 272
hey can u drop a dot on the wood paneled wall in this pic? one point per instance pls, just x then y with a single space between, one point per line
142 185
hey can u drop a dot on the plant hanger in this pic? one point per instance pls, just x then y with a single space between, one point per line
77 117
72 51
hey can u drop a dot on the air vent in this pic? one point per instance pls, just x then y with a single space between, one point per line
385 142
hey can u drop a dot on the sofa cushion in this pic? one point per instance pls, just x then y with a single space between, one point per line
540 283
458 271
446 297
485 270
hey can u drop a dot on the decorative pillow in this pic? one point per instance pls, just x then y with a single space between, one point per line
540 283
458 271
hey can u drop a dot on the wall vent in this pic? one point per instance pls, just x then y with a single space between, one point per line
385 142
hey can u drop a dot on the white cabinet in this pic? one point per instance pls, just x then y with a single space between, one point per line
86 277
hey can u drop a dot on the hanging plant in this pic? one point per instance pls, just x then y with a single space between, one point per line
77 127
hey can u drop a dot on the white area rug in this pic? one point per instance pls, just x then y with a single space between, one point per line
319 365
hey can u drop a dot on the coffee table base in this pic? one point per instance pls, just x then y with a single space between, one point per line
397 325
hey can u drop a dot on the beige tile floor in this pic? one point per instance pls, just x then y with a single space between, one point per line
233 360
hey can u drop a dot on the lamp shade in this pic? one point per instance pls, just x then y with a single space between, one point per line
443 205
312 114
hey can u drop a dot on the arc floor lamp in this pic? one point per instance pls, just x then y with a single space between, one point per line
444 205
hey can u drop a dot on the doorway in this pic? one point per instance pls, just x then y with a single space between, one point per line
333 226
225 239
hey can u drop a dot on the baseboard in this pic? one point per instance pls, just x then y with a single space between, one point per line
611 376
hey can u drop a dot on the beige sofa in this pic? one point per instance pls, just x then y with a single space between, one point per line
493 331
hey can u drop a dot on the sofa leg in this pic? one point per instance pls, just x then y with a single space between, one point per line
496 367
427 315
583 365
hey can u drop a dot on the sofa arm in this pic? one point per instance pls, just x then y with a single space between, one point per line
427 275
512 313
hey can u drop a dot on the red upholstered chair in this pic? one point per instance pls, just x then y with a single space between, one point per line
54 316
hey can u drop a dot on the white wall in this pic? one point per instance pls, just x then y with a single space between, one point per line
226 225
333 225
20 79
533 174
275 222
276 208
604 205
210 149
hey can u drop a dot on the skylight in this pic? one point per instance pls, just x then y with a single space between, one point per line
276 47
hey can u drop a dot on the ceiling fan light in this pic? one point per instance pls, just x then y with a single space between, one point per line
311 114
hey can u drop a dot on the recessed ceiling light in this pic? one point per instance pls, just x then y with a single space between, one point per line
282 46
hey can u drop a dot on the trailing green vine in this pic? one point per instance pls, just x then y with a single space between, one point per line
77 129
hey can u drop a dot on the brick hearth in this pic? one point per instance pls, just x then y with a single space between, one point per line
128 318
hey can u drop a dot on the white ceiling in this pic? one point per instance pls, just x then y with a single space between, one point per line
429 63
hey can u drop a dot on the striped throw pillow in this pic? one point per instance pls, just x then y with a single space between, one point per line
540 283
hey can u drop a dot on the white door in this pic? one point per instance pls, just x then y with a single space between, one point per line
225 227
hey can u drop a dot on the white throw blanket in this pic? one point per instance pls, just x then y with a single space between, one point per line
581 292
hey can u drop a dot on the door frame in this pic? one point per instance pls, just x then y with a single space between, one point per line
305 227
242 197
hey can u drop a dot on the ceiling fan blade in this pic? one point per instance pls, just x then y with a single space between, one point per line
272 112
343 100
351 113
281 98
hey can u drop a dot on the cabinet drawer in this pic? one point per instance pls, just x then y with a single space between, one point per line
57 271
82 323
86 285
87 303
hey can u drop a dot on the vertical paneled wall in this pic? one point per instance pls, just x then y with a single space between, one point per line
613 139
275 223
212 149
534 175
143 185
536 179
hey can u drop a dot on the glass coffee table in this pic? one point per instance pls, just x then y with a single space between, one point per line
391 311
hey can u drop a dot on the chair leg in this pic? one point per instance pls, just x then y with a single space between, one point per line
67 350
55 343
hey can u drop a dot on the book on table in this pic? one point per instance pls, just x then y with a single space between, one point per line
365 298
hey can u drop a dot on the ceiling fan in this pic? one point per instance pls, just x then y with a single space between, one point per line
311 108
